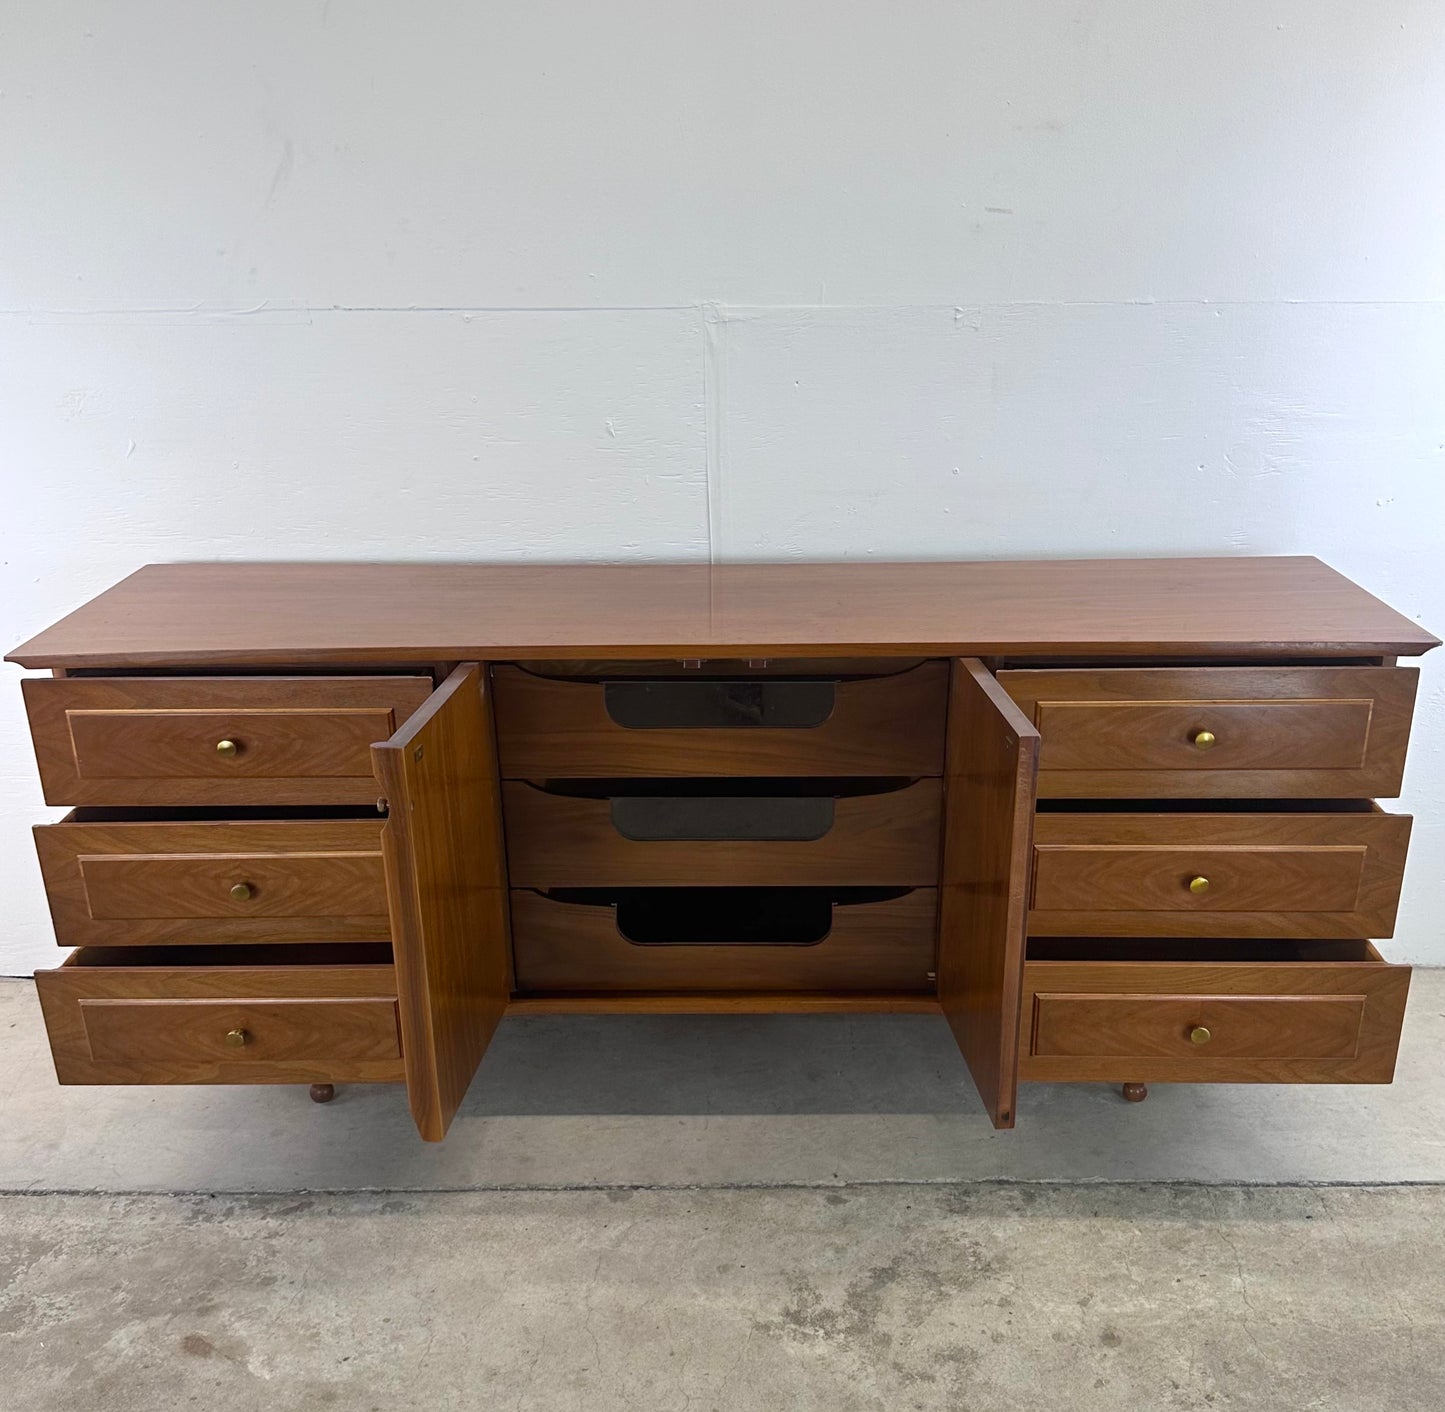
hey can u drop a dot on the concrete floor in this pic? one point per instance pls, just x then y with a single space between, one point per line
875 1299
747 1214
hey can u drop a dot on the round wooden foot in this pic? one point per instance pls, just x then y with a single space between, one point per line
1136 1093
323 1093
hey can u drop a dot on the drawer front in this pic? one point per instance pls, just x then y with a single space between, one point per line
880 946
662 840
214 740
143 1021
1217 875
1274 1022
1176 1026
889 725
141 883
239 1031
1219 732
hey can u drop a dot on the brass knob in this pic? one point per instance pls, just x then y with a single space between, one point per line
1199 1035
241 892
1203 740
227 749
1199 886
236 1038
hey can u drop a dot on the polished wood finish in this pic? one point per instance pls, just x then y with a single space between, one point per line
1237 1027
186 1031
889 725
874 946
1135 1093
992 758
1269 1022
143 1015
170 615
223 945
447 885
1270 874
559 840
130 883
153 740
1277 732
322 1093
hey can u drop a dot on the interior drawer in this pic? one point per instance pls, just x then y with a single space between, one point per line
263 1014
725 939
1256 1012
888 725
1249 732
115 880
1275 871
722 832
214 740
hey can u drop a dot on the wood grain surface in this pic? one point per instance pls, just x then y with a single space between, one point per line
447 888
174 614
1271 874
152 740
876 946
889 725
135 1016
989 815
1263 1026
559 840
132 883
1279 732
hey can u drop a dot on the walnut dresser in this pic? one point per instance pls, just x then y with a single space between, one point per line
1115 821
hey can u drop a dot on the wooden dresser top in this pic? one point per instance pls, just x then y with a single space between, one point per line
274 613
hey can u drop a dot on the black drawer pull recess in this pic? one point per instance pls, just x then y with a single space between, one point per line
725 916
718 705
656 818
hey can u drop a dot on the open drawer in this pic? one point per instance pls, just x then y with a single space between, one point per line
119 878
825 725
725 939
235 1014
721 832
1268 868
153 740
1231 1011
1234 732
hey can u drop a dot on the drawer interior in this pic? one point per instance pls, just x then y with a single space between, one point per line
1219 950
725 916
724 940
232 957
773 810
797 703
1208 806
688 726
215 814
721 786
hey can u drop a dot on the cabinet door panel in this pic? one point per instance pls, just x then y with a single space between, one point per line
447 889
992 763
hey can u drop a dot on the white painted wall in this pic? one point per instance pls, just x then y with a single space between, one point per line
660 280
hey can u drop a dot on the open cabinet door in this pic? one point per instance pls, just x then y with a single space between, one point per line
992 764
446 884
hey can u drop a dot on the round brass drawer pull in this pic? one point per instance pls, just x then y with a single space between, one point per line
227 749
1199 1035
1203 740
1199 886
242 892
237 1038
